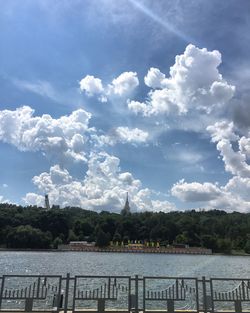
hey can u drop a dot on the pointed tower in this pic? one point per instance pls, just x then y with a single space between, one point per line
126 210
46 200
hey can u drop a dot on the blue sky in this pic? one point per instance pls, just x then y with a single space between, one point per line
103 97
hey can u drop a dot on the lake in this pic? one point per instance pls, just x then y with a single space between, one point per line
92 263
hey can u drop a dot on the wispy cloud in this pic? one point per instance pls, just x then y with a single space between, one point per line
40 87
67 96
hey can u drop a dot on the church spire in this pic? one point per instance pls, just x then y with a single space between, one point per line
46 200
127 199
126 209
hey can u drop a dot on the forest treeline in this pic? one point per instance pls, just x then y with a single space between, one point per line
34 228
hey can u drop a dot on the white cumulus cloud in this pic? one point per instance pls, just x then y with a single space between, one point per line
235 161
3 200
136 135
230 197
121 86
222 130
103 188
244 146
195 192
64 137
194 83
139 107
224 133
235 151
154 78
122 134
91 85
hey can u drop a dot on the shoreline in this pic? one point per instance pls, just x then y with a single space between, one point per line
125 251
194 251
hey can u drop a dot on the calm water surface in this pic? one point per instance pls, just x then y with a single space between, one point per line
87 263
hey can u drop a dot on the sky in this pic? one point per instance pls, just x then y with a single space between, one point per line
100 98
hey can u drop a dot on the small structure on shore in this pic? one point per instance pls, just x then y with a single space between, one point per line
77 246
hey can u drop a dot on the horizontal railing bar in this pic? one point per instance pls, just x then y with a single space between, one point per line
23 298
113 311
229 279
101 276
169 277
164 299
95 298
231 301
34 310
32 276
179 311
121 276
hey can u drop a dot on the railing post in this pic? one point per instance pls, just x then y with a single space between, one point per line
109 286
129 295
144 294
136 293
170 306
28 305
38 286
197 294
212 296
74 295
237 306
66 294
101 305
1 291
204 294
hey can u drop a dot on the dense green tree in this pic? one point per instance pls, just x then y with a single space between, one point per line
72 236
55 221
210 242
56 242
213 229
224 245
181 238
28 237
247 247
102 239
117 237
125 240
83 228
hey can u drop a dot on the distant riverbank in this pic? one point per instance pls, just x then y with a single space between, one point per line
199 251
167 250
106 250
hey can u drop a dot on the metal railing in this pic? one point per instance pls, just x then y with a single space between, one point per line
85 293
